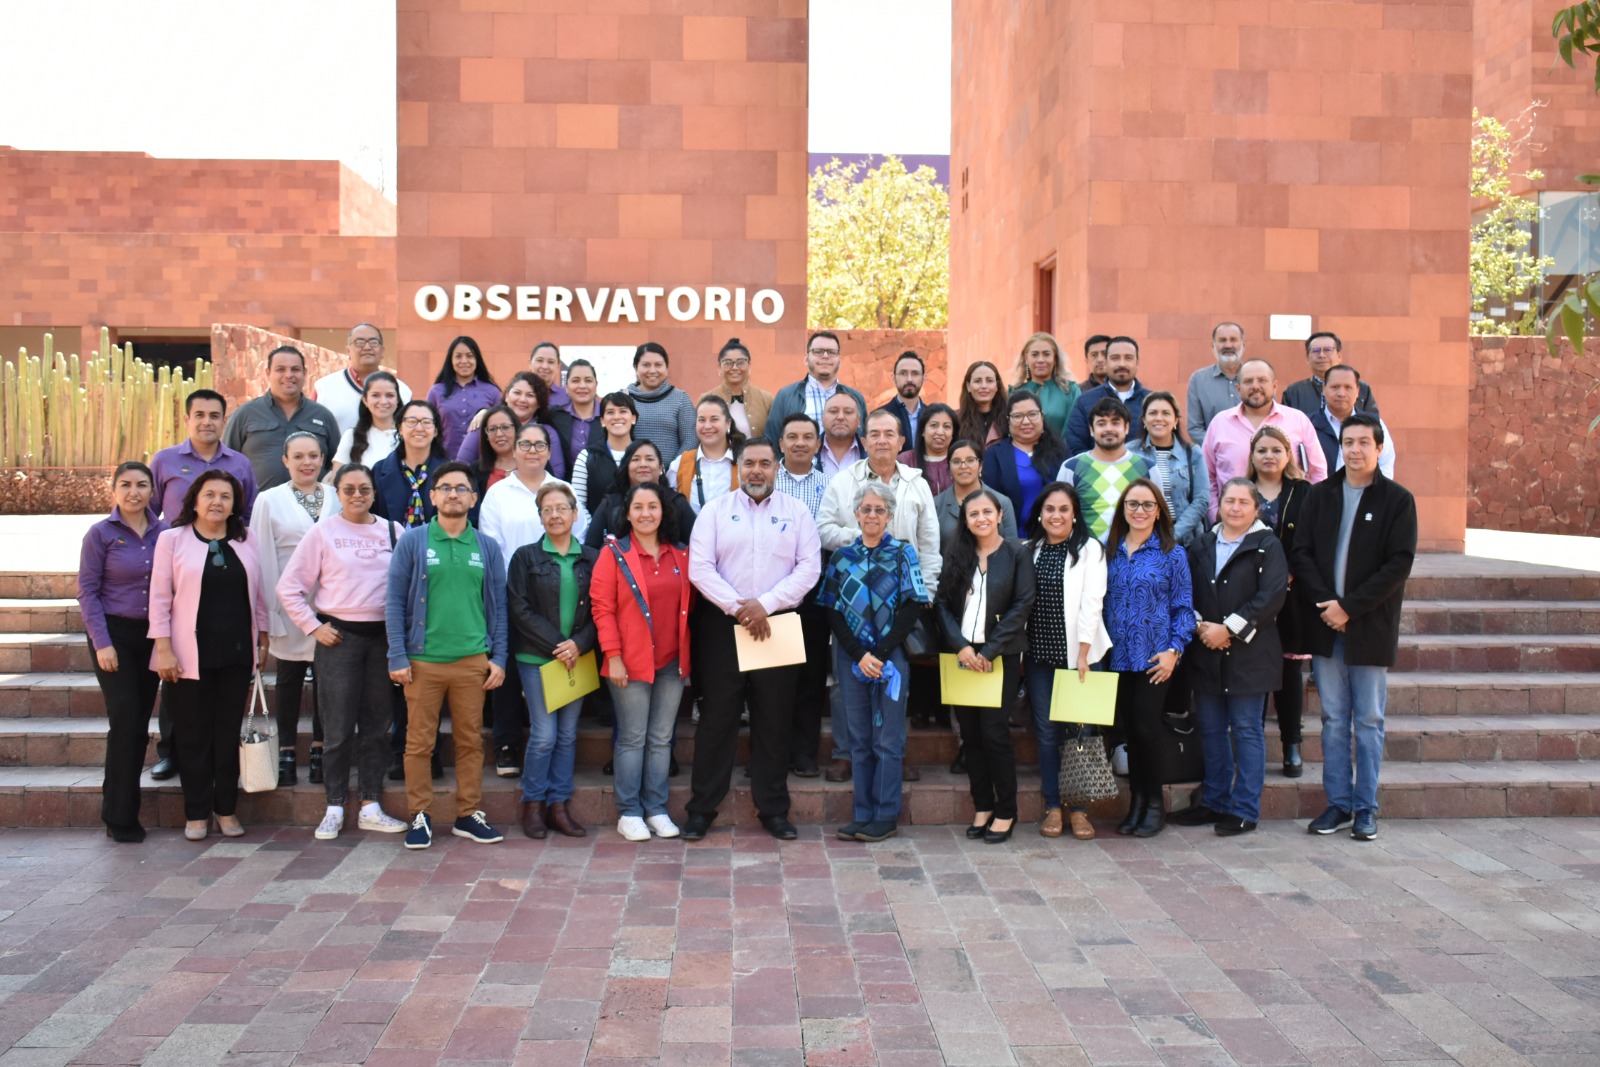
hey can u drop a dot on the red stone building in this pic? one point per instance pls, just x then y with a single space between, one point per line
163 248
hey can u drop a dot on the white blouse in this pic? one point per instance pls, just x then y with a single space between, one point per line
974 616
280 523
510 514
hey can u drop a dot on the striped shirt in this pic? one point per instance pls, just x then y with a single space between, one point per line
808 488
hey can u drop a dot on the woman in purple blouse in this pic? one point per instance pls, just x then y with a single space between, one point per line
114 596
463 388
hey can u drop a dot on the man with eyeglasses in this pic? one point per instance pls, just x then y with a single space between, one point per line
445 614
1103 473
810 395
915 522
1227 447
747 402
259 427
1323 350
1214 387
340 392
906 405
753 553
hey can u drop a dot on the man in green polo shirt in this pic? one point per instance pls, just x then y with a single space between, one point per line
446 619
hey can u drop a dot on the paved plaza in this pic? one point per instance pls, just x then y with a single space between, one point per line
1471 942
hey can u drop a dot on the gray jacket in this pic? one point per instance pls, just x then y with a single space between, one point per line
948 511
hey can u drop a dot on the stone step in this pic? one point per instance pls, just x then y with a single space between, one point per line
1500 617
38 585
46 653
1474 652
56 615
70 796
81 742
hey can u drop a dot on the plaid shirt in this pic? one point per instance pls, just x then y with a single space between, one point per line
817 397
808 490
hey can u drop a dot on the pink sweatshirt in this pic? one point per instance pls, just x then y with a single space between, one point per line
344 566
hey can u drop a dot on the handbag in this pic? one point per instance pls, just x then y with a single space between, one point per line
1178 757
1085 772
919 643
258 745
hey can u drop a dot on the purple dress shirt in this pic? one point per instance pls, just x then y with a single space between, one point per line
177 467
581 428
457 409
742 548
114 573
557 465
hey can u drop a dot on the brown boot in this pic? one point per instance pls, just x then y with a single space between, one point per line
533 819
838 771
562 822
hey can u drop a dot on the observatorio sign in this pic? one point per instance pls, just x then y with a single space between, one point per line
554 303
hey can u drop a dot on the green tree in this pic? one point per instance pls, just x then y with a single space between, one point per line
1577 33
1501 266
879 247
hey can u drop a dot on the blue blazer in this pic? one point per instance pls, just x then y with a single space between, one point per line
1078 436
1000 473
391 492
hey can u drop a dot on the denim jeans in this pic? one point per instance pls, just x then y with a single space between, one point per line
354 687
876 751
1041 680
1235 751
552 742
1353 702
647 715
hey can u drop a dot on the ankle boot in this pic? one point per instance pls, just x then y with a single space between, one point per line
562 821
533 818
314 766
1293 765
286 771
1154 819
1136 806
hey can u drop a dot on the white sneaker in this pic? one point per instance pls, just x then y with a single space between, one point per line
662 826
633 828
381 822
331 824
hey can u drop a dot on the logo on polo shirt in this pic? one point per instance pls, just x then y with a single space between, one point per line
475 561
433 558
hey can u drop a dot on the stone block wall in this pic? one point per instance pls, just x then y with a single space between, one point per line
1533 465
868 362
239 360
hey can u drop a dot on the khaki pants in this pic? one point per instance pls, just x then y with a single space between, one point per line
461 681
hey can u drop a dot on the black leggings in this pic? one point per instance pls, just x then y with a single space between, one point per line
290 685
130 693
986 739
1290 702
207 717
1140 703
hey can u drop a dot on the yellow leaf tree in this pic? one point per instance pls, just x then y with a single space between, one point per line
879 247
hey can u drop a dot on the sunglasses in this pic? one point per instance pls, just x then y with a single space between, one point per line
217 557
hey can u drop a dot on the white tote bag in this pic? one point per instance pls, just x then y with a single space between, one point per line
258 745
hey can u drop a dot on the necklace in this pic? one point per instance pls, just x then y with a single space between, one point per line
311 501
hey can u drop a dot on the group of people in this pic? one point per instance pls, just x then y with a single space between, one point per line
405 556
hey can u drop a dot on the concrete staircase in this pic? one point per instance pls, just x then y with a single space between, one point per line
1494 710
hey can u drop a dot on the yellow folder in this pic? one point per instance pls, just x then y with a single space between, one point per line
1092 701
972 689
562 687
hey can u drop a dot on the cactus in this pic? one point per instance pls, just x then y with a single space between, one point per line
58 410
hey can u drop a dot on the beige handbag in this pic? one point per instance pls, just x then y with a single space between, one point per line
258 745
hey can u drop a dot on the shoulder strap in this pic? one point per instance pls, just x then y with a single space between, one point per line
686 470
633 584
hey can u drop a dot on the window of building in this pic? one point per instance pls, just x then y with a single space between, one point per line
1044 296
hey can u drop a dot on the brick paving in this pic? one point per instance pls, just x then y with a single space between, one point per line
1471 942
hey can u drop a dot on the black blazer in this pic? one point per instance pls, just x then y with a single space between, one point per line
897 408
561 421
1246 598
533 601
1383 545
391 492
1000 473
1297 612
1306 395
600 473
1011 588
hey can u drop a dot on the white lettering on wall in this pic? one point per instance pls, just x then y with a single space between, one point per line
684 303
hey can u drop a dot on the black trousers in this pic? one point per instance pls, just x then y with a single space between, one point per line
724 691
288 690
986 739
1140 703
130 693
208 714
811 697
1290 702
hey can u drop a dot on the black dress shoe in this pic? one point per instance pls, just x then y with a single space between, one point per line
126 835
163 769
1197 815
608 769
314 766
1136 806
806 768
780 827
975 832
999 837
695 826
1293 765
1154 819
1233 826
849 830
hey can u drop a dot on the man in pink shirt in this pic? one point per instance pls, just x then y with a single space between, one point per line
1227 447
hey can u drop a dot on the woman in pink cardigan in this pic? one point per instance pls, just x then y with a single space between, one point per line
208 618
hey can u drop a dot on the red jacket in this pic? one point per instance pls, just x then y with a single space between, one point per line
621 625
